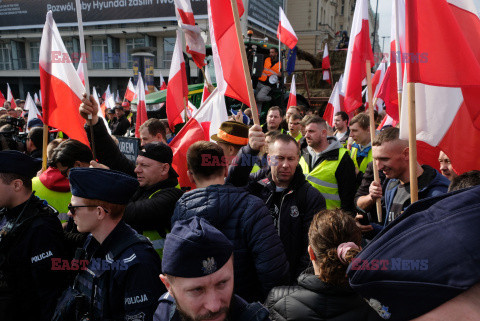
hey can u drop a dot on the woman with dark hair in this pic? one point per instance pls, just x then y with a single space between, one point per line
323 292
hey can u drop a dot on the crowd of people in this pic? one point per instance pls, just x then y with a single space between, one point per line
282 224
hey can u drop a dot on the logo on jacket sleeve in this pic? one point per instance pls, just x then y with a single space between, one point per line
294 211
379 308
137 317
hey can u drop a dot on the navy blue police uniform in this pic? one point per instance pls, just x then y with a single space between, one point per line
121 280
30 237
196 249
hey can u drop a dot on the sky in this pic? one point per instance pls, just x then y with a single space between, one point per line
384 16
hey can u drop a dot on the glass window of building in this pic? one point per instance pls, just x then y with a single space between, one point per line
99 54
168 46
34 54
132 43
5 61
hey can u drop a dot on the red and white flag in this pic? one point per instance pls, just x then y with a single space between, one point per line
333 105
81 73
292 97
32 110
326 65
130 92
62 89
163 84
359 51
2 99
207 81
10 97
285 32
141 105
36 99
446 96
101 110
377 81
177 90
387 121
226 48
193 37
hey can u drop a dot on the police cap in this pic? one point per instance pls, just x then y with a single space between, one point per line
15 162
101 184
194 249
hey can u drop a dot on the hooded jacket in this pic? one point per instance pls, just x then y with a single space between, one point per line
53 187
345 173
314 299
260 262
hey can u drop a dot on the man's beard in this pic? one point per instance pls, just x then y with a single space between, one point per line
185 317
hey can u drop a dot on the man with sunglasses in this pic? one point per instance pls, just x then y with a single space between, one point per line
121 279
30 236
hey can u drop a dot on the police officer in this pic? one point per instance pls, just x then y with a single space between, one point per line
198 273
30 236
121 280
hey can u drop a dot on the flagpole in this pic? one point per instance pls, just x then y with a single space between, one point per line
398 62
371 115
83 60
251 96
412 142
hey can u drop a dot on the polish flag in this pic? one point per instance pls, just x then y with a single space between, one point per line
387 121
10 98
32 110
359 51
226 48
326 65
292 97
387 92
61 86
446 97
377 81
141 106
40 96
193 37
333 105
177 90
207 81
2 99
101 110
285 32
163 84
36 100
118 99
81 73
110 100
130 92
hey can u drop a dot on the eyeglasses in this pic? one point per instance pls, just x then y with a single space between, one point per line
72 208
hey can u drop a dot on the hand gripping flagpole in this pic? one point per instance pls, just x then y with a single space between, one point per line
251 96
83 60
371 115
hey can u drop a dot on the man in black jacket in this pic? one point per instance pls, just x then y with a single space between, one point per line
260 261
151 207
291 200
121 125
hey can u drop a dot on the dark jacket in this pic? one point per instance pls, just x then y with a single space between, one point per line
152 207
239 310
437 185
260 262
344 138
127 286
314 299
299 203
120 126
29 286
345 173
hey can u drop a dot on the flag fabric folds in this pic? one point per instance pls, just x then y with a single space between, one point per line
2 99
61 86
359 51
292 97
326 65
333 105
32 109
163 84
177 90
186 21
130 92
10 97
206 91
292 58
81 73
141 106
285 32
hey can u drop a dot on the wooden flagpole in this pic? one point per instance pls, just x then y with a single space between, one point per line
371 115
83 60
251 96
412 142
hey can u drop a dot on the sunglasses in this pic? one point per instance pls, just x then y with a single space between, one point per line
72 208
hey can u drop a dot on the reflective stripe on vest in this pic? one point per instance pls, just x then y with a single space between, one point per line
275 69
299 136
365 160
255 169
322 177
58 200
